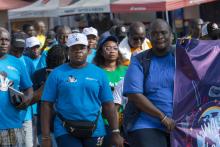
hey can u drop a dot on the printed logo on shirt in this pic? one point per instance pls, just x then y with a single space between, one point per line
91 79
99 141
11 68
4 82
71 79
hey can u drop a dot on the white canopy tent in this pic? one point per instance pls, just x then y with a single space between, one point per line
86 6
40 8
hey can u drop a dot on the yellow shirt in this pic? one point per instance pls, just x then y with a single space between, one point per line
42 39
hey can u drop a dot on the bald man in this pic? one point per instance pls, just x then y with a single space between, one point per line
135 42
195 28
155 99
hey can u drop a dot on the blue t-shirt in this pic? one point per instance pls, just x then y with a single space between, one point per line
28 64
35 62
158 88
91 56
30 69
14 70
42 62
78 94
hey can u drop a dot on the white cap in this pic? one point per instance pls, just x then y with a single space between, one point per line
77 38
90 31
31 42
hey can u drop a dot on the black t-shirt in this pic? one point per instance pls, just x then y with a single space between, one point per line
39 78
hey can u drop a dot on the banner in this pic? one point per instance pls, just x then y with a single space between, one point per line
197 94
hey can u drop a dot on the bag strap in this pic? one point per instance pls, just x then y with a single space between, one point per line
144 59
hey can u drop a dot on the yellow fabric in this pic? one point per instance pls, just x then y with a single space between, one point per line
42 39
46 48
127 62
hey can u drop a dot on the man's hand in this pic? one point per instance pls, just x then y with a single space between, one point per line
25 101
117 140
169 123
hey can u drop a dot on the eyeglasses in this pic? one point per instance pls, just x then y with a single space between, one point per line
138 38
111 48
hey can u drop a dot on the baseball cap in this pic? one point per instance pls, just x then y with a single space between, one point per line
32 41
18 41
104 39
77 38
90 31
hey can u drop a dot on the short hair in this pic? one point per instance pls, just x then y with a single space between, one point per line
5 30
55 56
157 21
61 28
133 27
26 26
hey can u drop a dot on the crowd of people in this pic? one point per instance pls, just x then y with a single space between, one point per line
64 87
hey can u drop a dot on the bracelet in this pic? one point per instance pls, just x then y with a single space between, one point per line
163 118
45 137
116 131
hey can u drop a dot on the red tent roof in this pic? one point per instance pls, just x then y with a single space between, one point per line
152 5
12 4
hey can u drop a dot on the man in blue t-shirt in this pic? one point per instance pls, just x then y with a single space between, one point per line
154 98
17 48
80 91
61 39
12 74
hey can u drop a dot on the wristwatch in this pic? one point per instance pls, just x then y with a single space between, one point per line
115 131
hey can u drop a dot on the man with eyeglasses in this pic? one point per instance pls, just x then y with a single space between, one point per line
61 37
135 42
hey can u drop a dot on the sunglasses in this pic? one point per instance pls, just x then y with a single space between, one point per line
138 38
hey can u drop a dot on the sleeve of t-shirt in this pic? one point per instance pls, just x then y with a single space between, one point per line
25 81
133 81
117 94
42 62
105 93
50 89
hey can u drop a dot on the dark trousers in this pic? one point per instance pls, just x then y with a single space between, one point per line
149 138
70 141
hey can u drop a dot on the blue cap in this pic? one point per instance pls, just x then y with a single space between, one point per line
107 38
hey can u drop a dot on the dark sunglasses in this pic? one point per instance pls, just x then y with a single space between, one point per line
138 38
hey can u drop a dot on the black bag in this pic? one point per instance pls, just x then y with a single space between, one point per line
131 112
15 96
81 129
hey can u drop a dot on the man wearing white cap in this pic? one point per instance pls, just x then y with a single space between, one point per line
92 36
33 49
79 91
